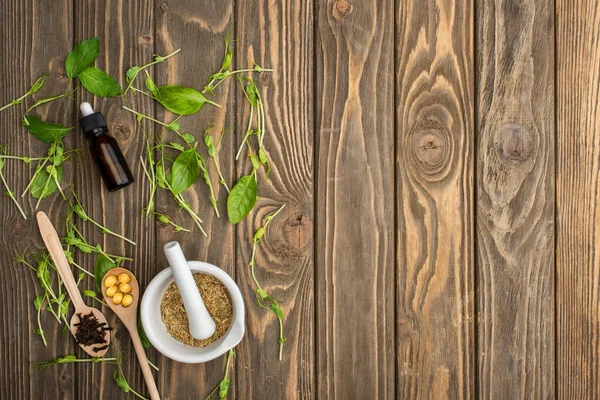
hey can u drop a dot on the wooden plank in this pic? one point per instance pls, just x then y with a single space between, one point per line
355 199
435 142
577 196
279 35
199 29
126 38
35 36
515 198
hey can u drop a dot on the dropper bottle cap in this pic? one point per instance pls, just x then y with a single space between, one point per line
92 123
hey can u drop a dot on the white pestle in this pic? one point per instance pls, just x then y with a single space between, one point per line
201 324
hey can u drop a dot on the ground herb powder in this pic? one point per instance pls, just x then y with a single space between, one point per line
218 303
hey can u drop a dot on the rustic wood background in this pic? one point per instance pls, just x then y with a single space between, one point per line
440 162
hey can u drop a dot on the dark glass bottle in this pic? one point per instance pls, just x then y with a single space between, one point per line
105 150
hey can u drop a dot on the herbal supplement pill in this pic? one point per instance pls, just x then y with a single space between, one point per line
124 278
110 292
125 287
117 298
127 300
109 281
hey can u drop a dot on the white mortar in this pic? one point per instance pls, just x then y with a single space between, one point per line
157 331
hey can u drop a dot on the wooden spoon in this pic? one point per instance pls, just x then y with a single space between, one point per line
52 242
128 316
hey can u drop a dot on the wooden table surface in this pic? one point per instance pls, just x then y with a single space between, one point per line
439 161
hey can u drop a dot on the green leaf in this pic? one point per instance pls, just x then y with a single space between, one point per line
264 161
262 157
144 339
43 184
103 265
161 180
132 73
184 171
37 302
224 387
173 126
121 382
251 92
255 163
99 83
45 131
69 357
89 293
82 56
180 99
242 198
259 234
278 311
177 146
262 293
151 86
209 142
189 138
37 85
72 241
78 209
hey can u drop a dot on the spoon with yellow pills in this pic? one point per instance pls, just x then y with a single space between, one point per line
122 292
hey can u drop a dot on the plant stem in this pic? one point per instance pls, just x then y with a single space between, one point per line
38 168
49 99
11 195
248 133
103 229
79 267
146 66
231 73
39 321
24 159
14 102
263 119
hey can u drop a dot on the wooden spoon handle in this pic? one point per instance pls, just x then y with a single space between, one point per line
52 242
143 359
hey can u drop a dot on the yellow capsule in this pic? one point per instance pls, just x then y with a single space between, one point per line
117 298
125 287
109 281
124 278
111 291
127 300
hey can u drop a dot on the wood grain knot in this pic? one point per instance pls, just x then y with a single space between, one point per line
516 143
57 66
406 326
431 148
122 131
164 6
341 8
146 40
65 379
19 228
298 231
265 78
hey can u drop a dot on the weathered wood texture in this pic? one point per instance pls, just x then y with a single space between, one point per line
435 146
28 50
279 35
414 144
515 198
123 28
199 29
577 196
355 201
